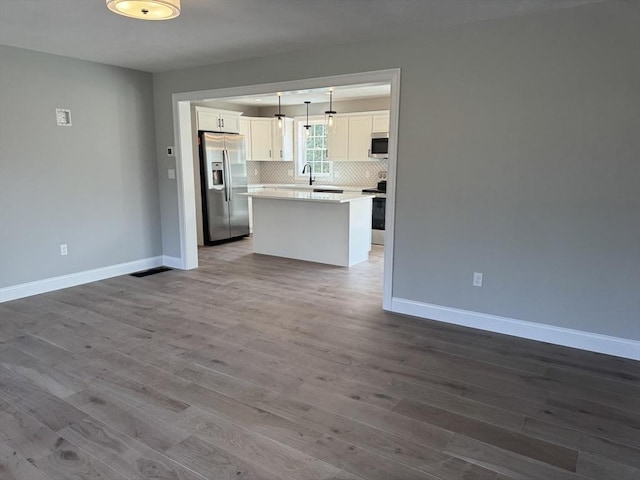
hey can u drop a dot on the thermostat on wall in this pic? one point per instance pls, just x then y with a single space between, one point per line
63 117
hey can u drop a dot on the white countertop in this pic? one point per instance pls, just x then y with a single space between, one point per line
306 186
309 196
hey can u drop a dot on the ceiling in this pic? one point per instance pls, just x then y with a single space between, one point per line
215 31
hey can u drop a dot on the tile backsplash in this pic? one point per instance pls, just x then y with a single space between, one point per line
345 173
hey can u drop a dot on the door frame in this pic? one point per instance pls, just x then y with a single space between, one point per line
182 130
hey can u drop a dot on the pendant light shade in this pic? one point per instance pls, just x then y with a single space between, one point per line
307 126
329 115
146 9
280 115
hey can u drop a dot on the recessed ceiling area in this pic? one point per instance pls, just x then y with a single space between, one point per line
320 95
214 31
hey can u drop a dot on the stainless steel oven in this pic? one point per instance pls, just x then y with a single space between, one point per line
378 212
377 219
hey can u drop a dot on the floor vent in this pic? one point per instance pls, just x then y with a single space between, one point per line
151 271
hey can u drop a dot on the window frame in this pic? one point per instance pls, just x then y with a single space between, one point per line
300 149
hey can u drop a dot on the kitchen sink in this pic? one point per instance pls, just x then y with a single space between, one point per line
327 190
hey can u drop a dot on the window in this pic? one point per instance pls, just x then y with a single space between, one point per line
313 149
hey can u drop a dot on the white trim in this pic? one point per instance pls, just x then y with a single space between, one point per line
392 168
71 280
184 169
185 184
594 342
172 262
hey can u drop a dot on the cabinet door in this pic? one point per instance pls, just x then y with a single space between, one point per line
381 123
338 142
229 122
261 139
283 140
209 121
245 129
359 137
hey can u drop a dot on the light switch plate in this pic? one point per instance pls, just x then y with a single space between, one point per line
171 173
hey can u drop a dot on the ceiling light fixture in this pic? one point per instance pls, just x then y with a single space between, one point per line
307 126
146 9
329 120
280 115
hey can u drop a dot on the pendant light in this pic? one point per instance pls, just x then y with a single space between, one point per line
280 115
307 126
146 9
329 120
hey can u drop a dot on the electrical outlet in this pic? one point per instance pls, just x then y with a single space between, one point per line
170 151
171 173
336 174
477 279
367 174
255 171
63 249
290 173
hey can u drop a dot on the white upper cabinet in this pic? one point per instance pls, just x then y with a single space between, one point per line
262 139
283 140
352 138
380 123
214 120
338 142
268 142
360 137
230 121
245 129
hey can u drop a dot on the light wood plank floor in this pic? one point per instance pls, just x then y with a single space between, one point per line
254 367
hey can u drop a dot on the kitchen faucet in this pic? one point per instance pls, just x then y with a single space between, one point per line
304 169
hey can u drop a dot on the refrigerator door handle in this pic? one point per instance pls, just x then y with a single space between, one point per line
226 176
229 180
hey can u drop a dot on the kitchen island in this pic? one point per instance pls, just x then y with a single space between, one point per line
331 228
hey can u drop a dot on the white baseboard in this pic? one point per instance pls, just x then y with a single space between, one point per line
64 281
594 342
172 262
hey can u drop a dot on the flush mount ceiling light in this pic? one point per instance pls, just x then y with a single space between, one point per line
331 127
280 115
146 9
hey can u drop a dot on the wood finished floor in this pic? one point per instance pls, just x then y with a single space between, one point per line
254 367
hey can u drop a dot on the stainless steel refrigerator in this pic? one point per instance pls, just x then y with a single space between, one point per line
223 171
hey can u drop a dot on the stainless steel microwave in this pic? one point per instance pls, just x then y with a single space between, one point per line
379 145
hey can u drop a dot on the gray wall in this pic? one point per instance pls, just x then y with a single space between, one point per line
518 158
93 186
